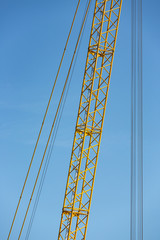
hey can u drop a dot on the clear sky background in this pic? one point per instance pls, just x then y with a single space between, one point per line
32 38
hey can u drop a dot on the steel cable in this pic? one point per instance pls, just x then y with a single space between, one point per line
54 122
136 224
44 119
140 127
133 122
48 158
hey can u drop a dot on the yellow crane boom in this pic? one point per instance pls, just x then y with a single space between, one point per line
88 131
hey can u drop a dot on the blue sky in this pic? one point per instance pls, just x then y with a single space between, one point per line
32 39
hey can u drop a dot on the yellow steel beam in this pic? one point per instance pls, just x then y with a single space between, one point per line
88 131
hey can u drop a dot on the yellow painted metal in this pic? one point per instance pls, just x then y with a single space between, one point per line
88 131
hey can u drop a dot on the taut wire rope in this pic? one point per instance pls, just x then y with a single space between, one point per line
48 158
136 220
140 126
59 68
54 120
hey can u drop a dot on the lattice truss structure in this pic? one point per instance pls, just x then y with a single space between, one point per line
86 144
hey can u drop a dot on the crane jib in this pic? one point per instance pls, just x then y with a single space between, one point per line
89 125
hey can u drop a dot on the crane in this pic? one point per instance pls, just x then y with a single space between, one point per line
89 124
